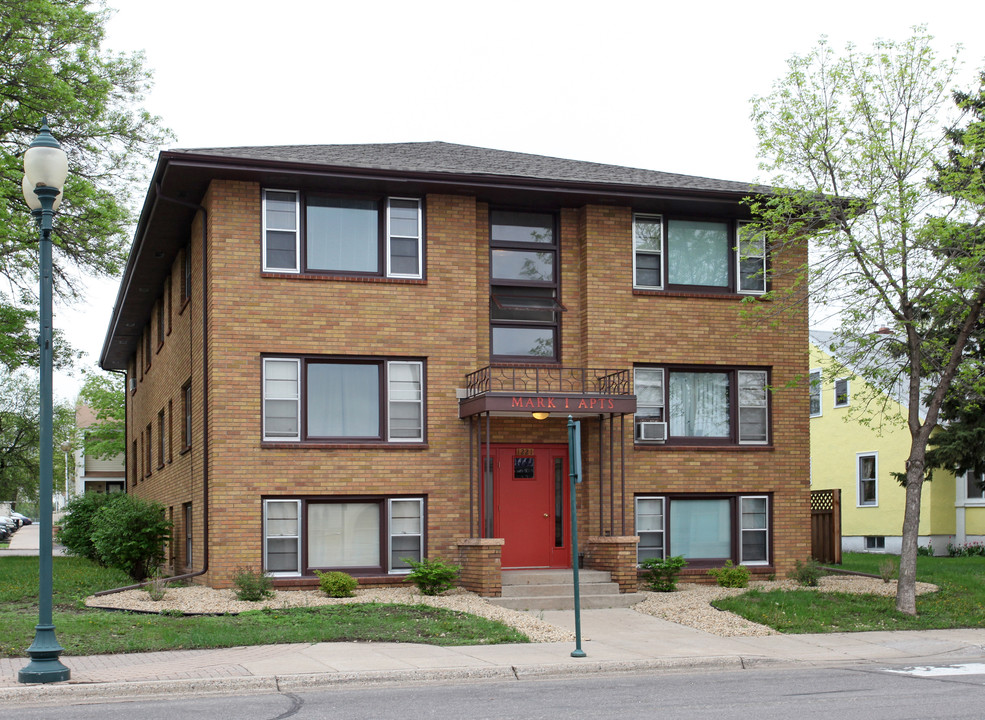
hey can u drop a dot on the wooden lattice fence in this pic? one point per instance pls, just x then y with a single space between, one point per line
826 526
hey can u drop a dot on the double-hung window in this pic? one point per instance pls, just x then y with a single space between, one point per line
342 235
688 405
698 255
815 392
868 468
361 535
523 271
974 488
842 394
343 400
705 529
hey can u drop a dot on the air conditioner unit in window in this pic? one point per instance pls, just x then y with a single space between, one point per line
651 431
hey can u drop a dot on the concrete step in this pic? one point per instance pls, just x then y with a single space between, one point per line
567 602
550 577
606 588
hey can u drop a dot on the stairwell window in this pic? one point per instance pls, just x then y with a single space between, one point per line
814 388
342 235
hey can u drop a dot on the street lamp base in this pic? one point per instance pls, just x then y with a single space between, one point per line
45 667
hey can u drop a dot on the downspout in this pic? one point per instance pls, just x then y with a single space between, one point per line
205 404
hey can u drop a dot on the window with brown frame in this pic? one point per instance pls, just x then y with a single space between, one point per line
170 431
328 399
186 275
160 323
161 435
148 450
524 310
186 406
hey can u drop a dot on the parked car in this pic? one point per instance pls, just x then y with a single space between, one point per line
9 524
23 519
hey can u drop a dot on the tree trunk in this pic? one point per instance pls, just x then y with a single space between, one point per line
906 585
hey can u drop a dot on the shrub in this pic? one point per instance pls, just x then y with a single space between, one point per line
660 575
733 576
252 585
432 576
336 584
129 534
887 569
925 550
157 587
808 574
75 529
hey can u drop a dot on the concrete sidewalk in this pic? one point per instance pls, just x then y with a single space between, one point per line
27 541
618 641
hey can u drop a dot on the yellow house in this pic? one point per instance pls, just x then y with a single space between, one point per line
859 439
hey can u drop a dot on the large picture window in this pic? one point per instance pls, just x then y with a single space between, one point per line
705 530
702 405
698 255
523 271
360 536
305 232
342 399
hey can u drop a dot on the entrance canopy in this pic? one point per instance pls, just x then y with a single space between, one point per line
521 391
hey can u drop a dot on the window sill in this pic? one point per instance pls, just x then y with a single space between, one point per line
728 295
343 278
266 444
184 303
185 450
704 448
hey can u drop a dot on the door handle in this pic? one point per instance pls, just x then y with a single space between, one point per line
545 514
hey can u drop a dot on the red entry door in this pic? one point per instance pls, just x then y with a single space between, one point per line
532 506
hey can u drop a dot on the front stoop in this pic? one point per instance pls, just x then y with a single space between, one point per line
554 590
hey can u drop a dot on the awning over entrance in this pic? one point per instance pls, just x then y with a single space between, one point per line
520 391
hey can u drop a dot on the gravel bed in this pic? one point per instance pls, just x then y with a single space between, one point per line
689 605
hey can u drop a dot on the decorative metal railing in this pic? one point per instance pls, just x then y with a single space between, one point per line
532 379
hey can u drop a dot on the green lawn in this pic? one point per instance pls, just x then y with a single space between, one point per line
83 631
959 603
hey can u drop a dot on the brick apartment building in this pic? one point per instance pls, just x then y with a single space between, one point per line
325 347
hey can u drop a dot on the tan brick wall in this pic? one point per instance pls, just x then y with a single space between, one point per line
617 556
481 562
444 320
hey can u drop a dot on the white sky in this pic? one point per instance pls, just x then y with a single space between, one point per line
651 84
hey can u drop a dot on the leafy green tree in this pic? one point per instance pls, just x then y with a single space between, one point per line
20 436
104 395
52 64
76 528
852 141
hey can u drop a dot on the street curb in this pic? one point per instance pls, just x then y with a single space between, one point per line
36 695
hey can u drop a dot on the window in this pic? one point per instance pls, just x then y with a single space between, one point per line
702 406
147 347
815 392
170 431
875 542
148 450
841 393
169 299
698 255
342 235
186 275
326 399
186 407
974 487
161 444
160 322
135 459
370 535
523 305
867 488
705 530
187 516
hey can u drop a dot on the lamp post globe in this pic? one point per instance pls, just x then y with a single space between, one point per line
45 172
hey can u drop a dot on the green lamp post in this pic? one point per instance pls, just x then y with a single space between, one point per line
45 171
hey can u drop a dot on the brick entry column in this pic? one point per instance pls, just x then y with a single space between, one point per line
617 556
482 566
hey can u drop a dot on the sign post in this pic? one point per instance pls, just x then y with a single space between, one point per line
574 465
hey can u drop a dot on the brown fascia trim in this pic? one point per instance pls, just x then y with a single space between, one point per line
483 181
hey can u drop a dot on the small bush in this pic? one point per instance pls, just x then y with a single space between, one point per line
129 534
660 575
158 586
925 550
336 584
252 585
887 569
75 529
432 576
732 576
808 574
